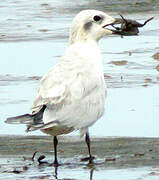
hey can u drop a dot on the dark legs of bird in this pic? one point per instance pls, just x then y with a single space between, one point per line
87 139
55 150
90 158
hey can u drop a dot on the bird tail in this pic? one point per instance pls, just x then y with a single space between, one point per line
23 119
27 119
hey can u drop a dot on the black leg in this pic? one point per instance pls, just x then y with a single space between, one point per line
87 139
55 150
90 158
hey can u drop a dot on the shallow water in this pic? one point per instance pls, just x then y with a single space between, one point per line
39 20
79 173
34 36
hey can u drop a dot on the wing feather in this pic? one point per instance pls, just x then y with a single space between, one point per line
64 89
65 80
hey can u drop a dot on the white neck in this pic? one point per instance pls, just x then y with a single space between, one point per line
87 52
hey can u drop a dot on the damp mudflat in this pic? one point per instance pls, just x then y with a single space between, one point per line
115 158
33 37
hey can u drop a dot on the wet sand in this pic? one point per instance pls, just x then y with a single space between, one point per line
111 154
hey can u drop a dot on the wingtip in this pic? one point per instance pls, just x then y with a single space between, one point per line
7 120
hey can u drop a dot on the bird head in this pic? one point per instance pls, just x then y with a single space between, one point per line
91 24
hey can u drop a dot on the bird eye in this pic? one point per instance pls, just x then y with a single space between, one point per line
97 18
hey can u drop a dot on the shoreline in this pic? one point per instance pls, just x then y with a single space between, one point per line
112 154
121 150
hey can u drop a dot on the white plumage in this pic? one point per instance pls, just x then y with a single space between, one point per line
73 91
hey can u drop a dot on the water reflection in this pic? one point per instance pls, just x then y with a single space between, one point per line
91 174
58 176
55 173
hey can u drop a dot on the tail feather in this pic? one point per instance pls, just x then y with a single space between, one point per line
28 119
23 119
33 121
34 127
